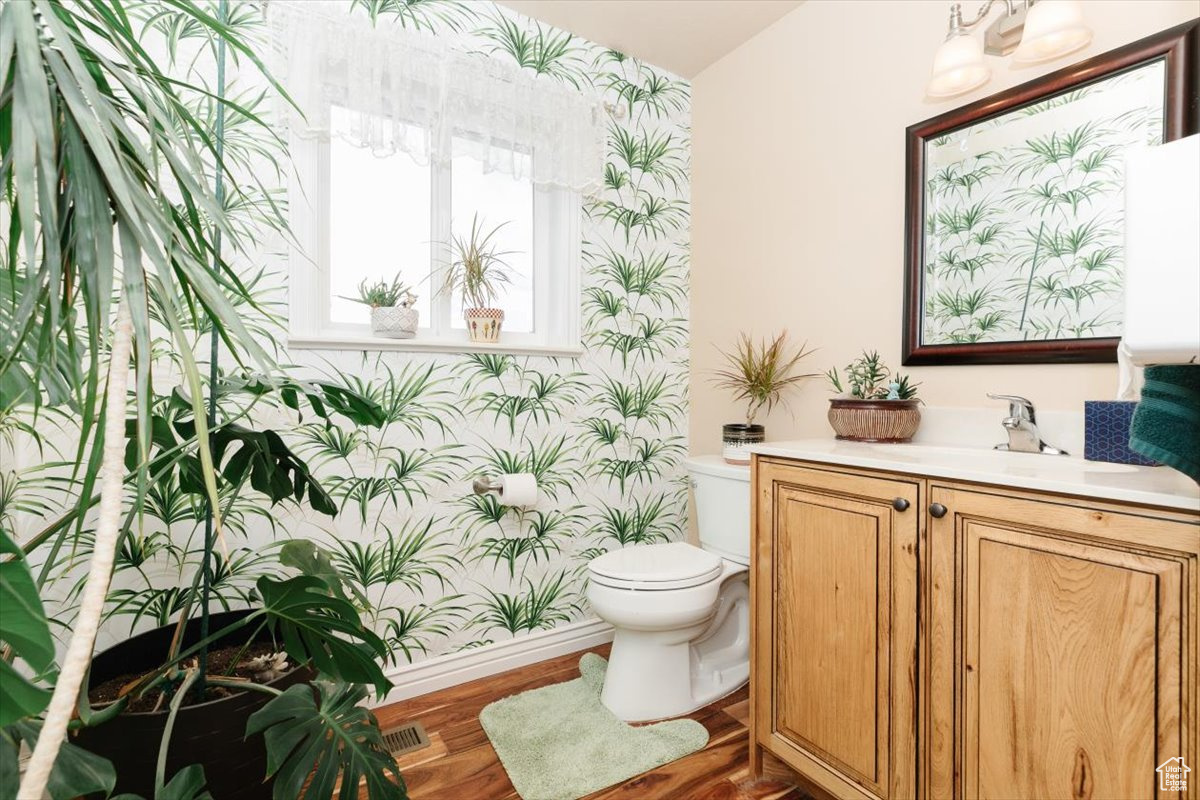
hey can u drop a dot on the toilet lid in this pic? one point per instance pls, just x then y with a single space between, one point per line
673 565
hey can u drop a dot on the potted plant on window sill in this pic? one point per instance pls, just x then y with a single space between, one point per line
392 308
874 405
759 374
477 269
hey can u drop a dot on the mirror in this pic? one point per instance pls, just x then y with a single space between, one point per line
1015 208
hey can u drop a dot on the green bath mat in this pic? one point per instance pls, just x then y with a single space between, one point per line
560 743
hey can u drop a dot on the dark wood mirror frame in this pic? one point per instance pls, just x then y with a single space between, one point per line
1180 46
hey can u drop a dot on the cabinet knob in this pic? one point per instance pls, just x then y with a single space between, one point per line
900 504
937 510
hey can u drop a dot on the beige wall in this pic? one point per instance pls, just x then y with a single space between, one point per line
798 206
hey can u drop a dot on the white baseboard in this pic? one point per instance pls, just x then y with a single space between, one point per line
442 672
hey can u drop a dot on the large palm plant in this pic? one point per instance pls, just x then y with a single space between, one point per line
113 227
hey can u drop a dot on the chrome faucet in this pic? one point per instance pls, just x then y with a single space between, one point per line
1021 424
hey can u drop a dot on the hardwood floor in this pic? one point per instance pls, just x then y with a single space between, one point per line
460 764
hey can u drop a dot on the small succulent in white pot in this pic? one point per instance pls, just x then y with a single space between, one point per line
477 269
758 373
393 308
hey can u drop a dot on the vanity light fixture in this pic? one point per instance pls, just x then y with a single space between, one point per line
1032 30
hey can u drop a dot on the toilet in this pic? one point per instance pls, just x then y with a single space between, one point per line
681 613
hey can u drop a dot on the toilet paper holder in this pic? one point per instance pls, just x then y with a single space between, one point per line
518 489
488 484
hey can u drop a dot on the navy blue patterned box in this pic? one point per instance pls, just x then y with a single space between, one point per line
1106 432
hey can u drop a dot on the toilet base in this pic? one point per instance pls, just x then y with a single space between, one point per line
656 675
642 682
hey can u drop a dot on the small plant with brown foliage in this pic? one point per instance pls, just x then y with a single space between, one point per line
761 372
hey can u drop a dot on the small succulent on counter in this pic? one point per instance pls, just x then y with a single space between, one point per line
868 378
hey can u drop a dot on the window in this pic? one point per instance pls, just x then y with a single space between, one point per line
368 216
398 139
379 225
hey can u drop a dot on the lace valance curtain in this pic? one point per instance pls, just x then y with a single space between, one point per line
405 91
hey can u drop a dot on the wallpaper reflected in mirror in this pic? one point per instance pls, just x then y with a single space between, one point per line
1024 215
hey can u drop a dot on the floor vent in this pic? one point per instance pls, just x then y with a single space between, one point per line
406 738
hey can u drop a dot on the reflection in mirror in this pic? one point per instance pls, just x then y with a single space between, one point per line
1014 248
1024 215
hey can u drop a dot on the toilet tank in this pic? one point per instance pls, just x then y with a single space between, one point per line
722 493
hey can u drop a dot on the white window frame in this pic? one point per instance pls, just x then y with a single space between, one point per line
557 242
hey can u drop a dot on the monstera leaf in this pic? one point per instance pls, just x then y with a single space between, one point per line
303 555
187 784
309 619
239 453
76 772
324 398
24 629
270 464
319 731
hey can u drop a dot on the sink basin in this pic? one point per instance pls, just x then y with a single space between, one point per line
968 456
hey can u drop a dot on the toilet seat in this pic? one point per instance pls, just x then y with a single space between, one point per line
656 567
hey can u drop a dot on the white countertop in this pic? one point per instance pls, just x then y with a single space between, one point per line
1154 486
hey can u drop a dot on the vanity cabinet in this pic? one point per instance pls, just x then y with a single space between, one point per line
919 637
835 651
1062 647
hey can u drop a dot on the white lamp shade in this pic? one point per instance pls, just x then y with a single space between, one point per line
958 67
1053 28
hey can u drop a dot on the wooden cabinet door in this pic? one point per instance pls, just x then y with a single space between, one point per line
1062 648
835 626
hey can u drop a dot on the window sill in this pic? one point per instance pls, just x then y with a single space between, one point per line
417 345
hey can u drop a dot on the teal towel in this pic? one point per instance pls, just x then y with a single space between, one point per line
1166 425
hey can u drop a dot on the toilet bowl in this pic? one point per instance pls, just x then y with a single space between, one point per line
680 613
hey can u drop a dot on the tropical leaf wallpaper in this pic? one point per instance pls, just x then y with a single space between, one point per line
436 568
1024 215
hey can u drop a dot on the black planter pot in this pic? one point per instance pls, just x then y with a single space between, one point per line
736 439
209 733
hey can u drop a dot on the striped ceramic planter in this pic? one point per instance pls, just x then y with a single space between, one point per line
483 324
874 420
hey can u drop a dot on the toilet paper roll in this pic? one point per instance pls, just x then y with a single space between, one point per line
518 489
